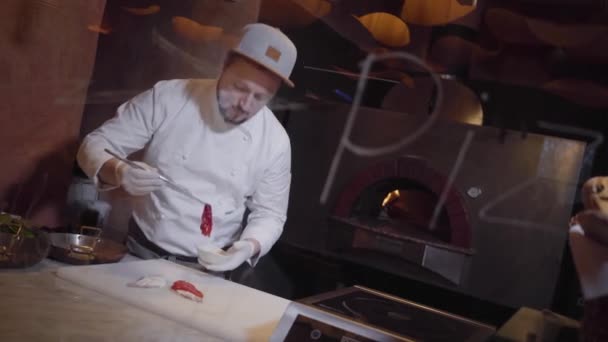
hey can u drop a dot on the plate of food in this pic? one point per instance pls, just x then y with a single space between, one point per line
21 245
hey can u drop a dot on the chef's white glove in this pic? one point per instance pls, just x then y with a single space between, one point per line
138 182
237 254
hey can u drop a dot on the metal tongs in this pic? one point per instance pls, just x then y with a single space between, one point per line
167 180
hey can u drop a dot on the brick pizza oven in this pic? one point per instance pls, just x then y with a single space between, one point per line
389 208
500 229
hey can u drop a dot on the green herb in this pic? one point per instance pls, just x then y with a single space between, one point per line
12 225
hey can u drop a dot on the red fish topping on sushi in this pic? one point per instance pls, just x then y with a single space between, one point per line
187 290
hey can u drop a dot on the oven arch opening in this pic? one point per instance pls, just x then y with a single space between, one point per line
404 204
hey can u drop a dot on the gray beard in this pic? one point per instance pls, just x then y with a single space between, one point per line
225 117
229 120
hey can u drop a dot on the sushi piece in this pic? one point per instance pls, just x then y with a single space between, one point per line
149 282
187 290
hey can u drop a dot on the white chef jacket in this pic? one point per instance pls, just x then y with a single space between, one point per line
231 167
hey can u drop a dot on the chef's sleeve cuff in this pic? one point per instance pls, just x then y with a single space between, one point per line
91 159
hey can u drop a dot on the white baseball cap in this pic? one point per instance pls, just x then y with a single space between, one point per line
269 47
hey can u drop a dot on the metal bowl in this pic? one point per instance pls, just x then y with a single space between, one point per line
80 249
18 251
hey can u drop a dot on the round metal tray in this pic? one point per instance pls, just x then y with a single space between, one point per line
80 249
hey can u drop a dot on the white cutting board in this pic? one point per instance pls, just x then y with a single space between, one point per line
229 311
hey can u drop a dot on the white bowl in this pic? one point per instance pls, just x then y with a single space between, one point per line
211 254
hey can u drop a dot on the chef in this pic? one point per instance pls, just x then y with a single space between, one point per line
217 138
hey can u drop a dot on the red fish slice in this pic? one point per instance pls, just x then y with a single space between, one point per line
187 290
206 221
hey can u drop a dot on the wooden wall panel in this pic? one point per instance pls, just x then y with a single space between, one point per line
45 66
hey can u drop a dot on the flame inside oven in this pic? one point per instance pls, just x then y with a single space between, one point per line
408 205
390 197
412 207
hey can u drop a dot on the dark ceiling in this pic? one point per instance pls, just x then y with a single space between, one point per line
526 61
